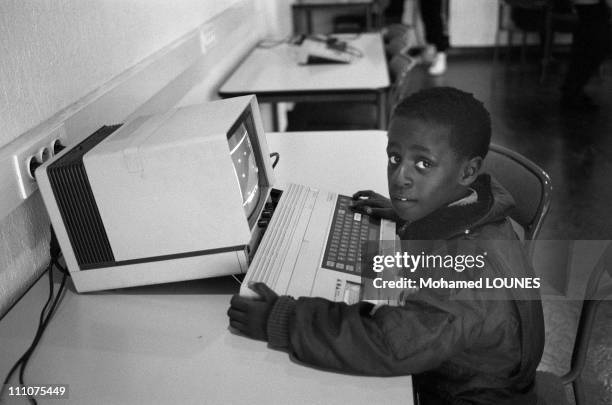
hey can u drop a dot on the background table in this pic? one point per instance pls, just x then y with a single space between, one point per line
171 344
274 75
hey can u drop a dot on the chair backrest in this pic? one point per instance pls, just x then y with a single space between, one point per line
399 67
397 45
393 31
529 185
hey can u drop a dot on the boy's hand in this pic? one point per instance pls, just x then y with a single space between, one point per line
250 315
371 203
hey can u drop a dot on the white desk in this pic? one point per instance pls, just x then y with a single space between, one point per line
274 76
170 344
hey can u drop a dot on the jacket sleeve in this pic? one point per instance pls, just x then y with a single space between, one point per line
413 338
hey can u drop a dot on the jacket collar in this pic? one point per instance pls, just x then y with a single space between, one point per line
492 205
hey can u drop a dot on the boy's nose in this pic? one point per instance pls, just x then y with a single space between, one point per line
402 176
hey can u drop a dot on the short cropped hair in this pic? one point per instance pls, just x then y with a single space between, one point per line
466 118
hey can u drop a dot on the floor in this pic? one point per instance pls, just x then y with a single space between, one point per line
576 150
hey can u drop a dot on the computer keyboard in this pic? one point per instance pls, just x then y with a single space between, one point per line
345 247
289 218
347 241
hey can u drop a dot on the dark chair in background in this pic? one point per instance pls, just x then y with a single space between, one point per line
405 26
400 66
560 18
395 30
400 36
544 17
518 16
397 45
357 23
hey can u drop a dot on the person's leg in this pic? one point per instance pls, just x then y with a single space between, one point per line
431 14
590 45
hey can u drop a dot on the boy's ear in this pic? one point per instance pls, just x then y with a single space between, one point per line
471 170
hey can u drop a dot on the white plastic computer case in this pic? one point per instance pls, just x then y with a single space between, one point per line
157 199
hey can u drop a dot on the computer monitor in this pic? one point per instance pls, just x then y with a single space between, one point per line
162 198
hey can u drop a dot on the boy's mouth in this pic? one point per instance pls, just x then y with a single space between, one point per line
404 200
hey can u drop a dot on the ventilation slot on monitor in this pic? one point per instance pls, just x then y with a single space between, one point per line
77 204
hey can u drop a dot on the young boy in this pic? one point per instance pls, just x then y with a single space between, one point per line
460 347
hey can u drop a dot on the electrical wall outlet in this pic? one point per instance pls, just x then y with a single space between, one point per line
33 153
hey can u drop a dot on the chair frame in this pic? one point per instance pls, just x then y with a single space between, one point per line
532 230
395 92
592 300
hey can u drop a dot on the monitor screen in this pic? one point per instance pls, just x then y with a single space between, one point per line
245 167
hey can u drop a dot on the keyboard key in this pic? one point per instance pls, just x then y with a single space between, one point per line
348 234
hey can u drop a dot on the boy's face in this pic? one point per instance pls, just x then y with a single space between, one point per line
424 173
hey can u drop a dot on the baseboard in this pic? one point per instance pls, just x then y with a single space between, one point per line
531 50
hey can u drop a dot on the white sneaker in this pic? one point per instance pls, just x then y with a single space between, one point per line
438 67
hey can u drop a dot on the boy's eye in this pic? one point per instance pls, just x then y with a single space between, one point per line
423 164
394 159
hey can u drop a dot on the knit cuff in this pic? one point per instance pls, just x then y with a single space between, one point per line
278 321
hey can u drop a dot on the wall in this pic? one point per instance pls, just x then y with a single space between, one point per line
85 63
472 22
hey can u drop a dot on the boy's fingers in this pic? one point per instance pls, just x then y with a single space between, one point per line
363 193
237 316
240 303
237 325
370 203
360 203
362 208
385 213
375 210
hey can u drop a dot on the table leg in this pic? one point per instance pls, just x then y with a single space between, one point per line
380 19
368 18
296 20
275 123
308 21
382 110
